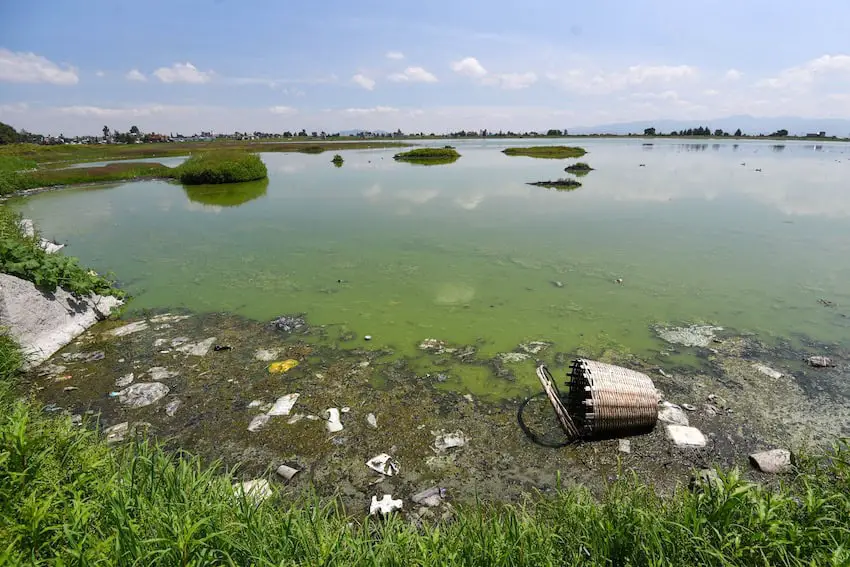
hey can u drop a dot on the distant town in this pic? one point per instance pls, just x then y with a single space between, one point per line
134 135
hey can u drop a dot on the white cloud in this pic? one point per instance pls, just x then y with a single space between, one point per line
413 75
100 74
395 55
20 67
183 73
285 110
801 77
13 108
732 75
513 81
106 112
363 81
601 82
373 110
711 92
470 67
135 75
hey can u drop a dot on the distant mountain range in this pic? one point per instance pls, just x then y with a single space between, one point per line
795 125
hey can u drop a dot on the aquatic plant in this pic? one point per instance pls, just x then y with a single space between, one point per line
221 167
559 184
337 160
579 167
547 152
429 156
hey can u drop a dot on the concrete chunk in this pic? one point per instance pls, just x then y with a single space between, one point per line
683 436
773 462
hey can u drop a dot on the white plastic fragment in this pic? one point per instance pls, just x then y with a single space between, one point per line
385 505
345 409
266 355
333 423
683 436
383 464
257 489
444 441
372 420
258 422
255 403
286 472
284 404
172 407
160 373
624 446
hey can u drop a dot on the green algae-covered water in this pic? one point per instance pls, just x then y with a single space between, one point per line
470 254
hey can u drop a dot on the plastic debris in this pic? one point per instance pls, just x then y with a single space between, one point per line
368 337
125 380
266 355
444 441
385 505
684 436
284 404
171 408
333 423
383 464
372 420
671 413
345 409
257 489
282 366
286 472
624 446
116 433
258 422
255 403
431 497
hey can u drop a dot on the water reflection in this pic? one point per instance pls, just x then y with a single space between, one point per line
226 195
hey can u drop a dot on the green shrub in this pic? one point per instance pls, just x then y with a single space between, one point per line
221 167
429 156
550 152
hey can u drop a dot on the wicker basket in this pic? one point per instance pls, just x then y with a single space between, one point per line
608 401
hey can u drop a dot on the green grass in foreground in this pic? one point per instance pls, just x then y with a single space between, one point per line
550 152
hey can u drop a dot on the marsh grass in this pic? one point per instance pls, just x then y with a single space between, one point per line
559 184
429 156
125 171
218 167
547 152
579 168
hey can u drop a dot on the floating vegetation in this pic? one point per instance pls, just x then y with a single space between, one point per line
337 160
579 169
559 184
547 152
223 166
429 156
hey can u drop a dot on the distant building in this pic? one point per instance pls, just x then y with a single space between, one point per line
820 134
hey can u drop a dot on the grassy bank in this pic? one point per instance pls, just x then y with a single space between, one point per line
12 182
221 167
81 153
429 156
547 152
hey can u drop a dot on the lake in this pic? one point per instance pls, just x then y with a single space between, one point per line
470 254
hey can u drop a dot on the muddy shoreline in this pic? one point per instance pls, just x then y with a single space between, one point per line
213 396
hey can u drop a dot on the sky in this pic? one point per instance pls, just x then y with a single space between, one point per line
225 65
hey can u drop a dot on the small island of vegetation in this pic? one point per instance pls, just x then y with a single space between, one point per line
559 184
429 156
337 160
221 167
547 152
580 168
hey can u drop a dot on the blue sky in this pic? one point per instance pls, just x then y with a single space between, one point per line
224 65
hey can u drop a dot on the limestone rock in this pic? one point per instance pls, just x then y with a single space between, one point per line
774 461
128 329
200 348
673 414
142 394
820 361
124 381
444 441
431 497
258 422
686 437
768 371
44 322
116 433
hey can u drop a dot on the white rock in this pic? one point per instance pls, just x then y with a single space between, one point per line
444 441
684 436
176 342
385 505
257 489
200 348
372 420
284 404
468 398
345 409
116 433
128 329
534 347
768 371
159 342
168 318
43 323
124 381
266 355
160 373
512 357
49 246
430 497
255 403
142 394
295 418
773 461
172 407
333 423
671 413
258 422
625 446
383 464
693 336
286 472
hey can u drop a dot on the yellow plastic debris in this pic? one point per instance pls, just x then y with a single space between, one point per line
282 366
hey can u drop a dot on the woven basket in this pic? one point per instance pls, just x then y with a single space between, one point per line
608 401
